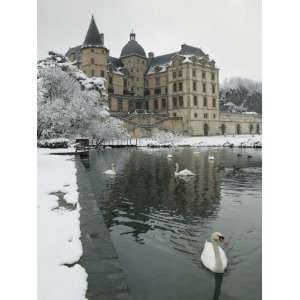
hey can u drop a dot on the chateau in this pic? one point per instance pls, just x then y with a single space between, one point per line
176 92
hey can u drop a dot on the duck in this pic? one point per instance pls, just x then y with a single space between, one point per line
184 172
213 256
249 156
111 172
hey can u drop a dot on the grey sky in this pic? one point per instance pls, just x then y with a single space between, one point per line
228 30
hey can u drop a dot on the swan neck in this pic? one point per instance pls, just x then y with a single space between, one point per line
218 264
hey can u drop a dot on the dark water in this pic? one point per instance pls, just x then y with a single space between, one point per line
159 223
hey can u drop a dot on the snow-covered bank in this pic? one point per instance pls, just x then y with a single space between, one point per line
206 141
59 245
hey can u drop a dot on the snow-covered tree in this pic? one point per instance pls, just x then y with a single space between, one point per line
241 95
70 104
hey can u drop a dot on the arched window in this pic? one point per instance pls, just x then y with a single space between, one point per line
251 128
257 129
223 129
238 129
205 129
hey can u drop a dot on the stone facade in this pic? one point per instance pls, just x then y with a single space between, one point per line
180 88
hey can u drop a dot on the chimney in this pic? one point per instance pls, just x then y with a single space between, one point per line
150 55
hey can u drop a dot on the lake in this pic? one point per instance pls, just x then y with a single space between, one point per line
159 223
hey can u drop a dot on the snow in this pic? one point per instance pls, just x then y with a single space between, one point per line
58 230
206 141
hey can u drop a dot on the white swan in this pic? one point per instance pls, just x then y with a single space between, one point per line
213 256
211 157
112 171
184 172
170 155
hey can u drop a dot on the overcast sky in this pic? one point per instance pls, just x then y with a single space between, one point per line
228 30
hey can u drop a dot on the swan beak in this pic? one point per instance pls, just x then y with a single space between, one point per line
221 238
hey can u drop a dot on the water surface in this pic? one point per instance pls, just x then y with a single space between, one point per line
159 223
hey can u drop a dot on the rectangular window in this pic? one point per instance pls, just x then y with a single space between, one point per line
194 73
213 87
214 102
195 115
195 101
214 116
110 80
194 86
102 73
157 80
180 86
174 75
180 73
180 101
157 91
174 87
174 102
213 76
204 88
120 105
203 75
204 101
163 103
156 104
205 116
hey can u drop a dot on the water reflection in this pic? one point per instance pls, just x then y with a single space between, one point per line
156 217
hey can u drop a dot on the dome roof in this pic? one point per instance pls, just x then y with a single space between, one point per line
132 48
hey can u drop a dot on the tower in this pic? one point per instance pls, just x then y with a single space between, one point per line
94 55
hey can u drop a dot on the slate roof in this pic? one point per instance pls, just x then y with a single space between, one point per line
166 58
132 48
93 37
76 51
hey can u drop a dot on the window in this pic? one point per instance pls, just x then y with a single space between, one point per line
163 103
213 76
157 80
92 61
92 72
180 86
102 73
214 102
157 91
213 88
194 73
194 86
180 73
146 83
214 115
195 100
92 50
174 115
180 101
174 75
110 80
204 88
205 115
204 101
174 102
174 87
203 75
156 104
195 115
120 105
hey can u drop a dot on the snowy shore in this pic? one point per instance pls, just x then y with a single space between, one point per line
59 246
205 141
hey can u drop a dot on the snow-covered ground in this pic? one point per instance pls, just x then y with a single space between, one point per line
58 230
206 141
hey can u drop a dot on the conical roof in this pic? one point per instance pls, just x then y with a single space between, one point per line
93 37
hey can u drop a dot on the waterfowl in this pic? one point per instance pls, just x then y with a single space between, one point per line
211 157
239 155
170 155
184 172
111 172
213 256
249 156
